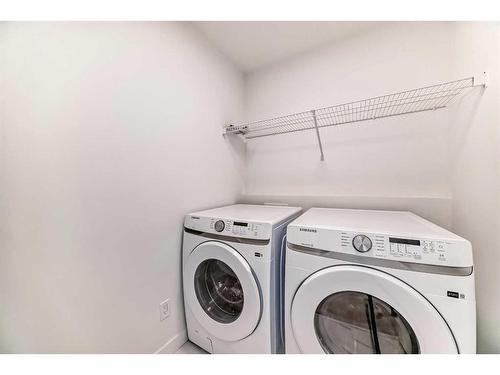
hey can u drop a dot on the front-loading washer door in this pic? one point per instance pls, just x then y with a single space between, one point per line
357 309
224 295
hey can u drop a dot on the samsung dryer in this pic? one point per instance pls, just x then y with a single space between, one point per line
361 281
232 267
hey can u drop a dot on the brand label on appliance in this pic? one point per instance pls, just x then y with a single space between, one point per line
452 294
455 294
308 230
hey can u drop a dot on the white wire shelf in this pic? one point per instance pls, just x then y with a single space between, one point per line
401 103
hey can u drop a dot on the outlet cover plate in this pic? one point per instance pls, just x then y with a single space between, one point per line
164 309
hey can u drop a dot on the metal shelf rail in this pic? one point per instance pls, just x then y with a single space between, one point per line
401 103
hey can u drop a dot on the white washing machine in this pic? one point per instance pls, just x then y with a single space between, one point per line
360 281
232 267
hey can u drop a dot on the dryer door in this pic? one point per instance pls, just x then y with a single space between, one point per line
357 309
224 294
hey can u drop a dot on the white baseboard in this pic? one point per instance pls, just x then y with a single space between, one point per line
173 344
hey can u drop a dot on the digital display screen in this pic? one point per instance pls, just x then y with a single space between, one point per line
240 224
404 241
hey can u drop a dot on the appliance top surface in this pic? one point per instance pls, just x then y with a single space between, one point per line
248 212
390 222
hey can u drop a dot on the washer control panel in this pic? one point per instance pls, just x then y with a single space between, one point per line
227 227
398 248
451 252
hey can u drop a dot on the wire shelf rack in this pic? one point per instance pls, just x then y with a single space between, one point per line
401 103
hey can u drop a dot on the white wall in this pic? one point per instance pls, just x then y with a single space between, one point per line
475 129
396 163
110 133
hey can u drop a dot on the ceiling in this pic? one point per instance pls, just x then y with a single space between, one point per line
255 44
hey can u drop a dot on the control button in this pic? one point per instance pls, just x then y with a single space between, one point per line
394 248
401 249
362 243
219 225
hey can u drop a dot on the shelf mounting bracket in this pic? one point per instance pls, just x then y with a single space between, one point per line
317 134
483 80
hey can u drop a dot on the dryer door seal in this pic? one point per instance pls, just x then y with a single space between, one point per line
222 293
358 309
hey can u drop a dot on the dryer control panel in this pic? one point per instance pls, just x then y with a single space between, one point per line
436 251
228 227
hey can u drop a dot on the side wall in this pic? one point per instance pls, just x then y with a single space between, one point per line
475 129
109 134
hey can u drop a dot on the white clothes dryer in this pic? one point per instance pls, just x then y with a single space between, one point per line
232 277
361 281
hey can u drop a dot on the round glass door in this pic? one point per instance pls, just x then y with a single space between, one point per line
354 322
358 309
219 291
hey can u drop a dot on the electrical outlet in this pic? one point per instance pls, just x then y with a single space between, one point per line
164 309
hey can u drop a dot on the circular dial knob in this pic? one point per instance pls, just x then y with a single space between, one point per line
219 225
362 243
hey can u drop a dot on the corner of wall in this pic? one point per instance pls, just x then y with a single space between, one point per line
173 344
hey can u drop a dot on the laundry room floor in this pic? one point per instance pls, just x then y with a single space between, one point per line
190 348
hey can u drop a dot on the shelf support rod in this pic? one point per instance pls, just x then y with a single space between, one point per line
317 134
